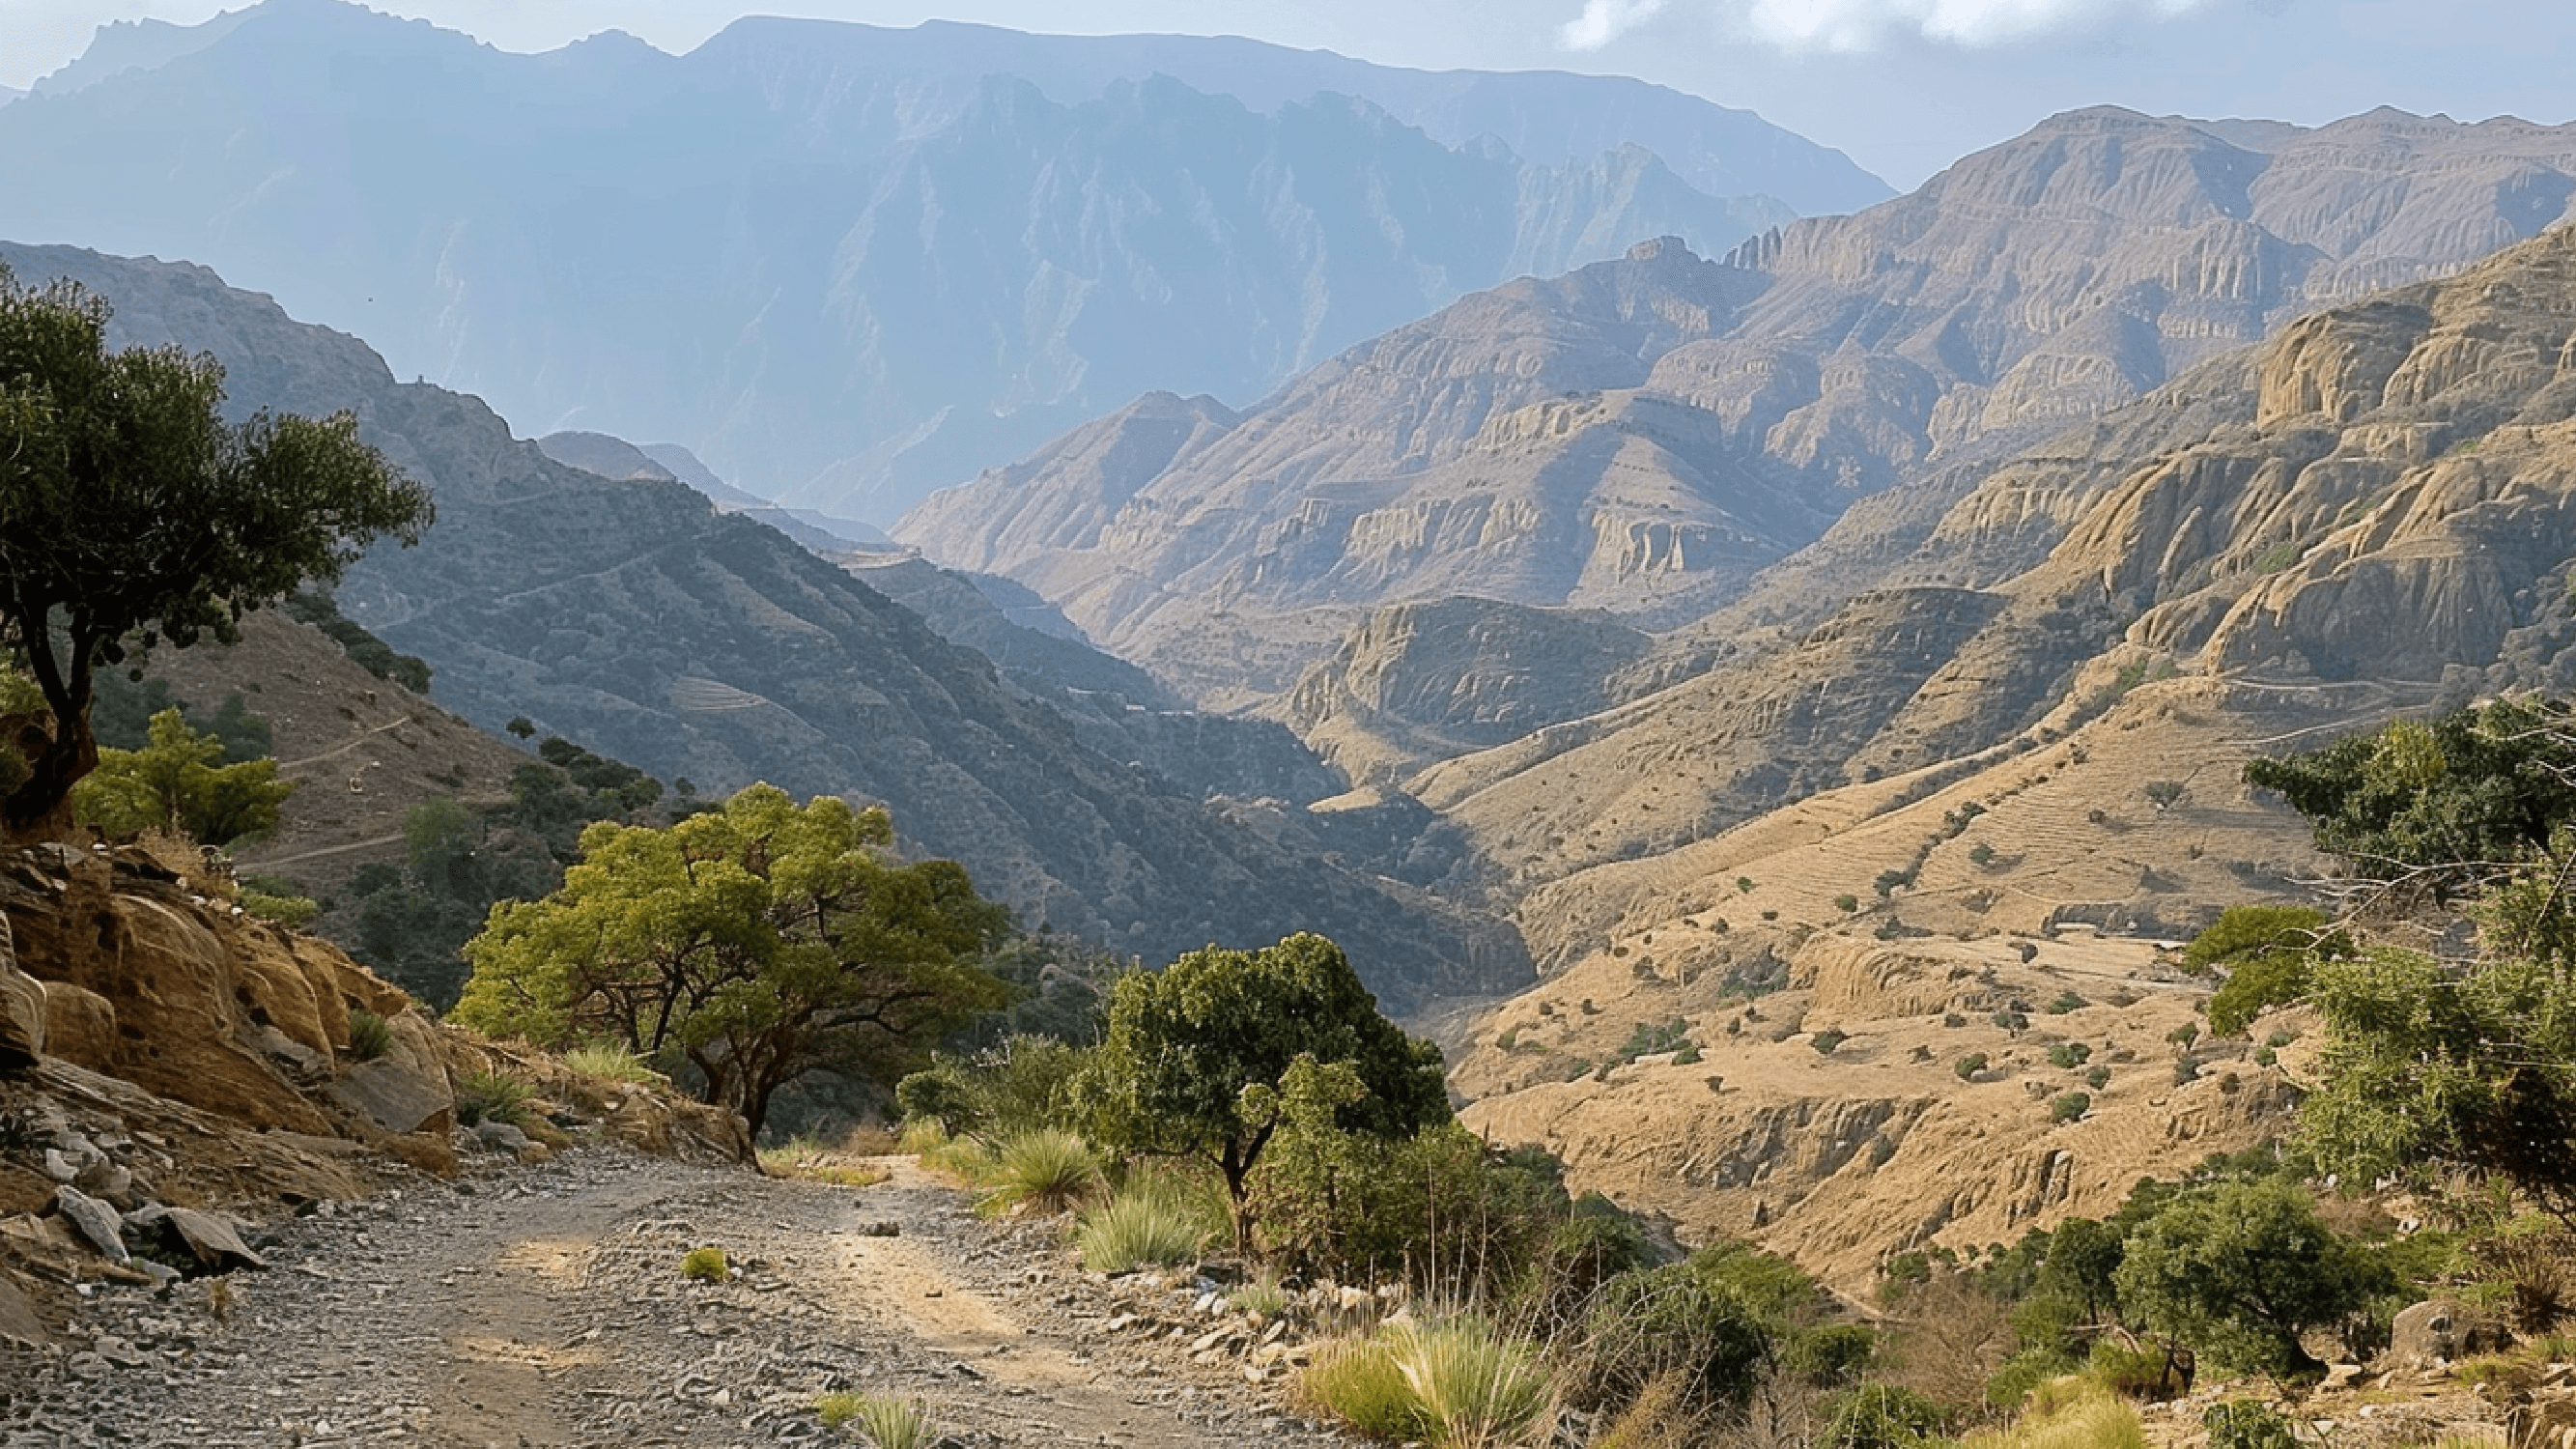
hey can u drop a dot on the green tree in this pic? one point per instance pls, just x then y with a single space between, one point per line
2448 803
755 943
1186 1044
173 783
130 512
2239 1271
2435 1067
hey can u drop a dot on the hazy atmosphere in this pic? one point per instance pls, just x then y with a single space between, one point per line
1288 724
1903 86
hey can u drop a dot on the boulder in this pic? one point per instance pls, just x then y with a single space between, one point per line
97 1222
80 1027
22 1010
2439 1330
396 1095
212 1241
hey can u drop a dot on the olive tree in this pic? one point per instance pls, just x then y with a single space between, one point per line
132 513
752 944
2239 1271
1197 1056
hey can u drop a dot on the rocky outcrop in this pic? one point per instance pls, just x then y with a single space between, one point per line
22 1009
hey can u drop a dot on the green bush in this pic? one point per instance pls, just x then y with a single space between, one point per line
2098 1078
1825 1041
2069 1106
1714 1319
705 1265
1881 1416
370 1035
2067 1056
2135 1373
1969 1065
2247 1424
294 912
1847 903
2275 978
2066 1001
1021 1084
2025 1371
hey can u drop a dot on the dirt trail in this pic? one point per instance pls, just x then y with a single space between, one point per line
545 1308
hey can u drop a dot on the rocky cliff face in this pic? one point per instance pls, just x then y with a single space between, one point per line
1652 436
630 616
843 267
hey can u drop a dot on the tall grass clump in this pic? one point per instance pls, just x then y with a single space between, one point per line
370 1035
889 1423
2068 1414
491 1097
608 1061
1152 1219
1045 1171
1481 1388
1357 1381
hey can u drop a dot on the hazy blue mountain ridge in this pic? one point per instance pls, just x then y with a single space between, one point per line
839 274
631 616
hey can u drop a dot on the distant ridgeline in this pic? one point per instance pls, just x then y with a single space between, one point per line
1043 227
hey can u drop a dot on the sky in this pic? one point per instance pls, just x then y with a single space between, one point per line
1902 86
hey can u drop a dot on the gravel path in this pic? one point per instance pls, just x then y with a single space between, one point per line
543 1306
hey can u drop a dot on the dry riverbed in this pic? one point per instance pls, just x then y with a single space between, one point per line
544 1306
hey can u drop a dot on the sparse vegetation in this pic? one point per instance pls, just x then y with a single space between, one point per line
370 1035
1969 1065
1045 1171
608 1061
2069 1107
888 1422
705 1265
491 1097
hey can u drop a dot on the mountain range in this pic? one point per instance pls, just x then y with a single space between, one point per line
841 264
632 616
1648 435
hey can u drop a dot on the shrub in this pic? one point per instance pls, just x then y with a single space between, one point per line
2098 1078
2012 1021
1981 854
2066 1001
1687 1054
1825 1041
1847 903
1478 1387
1881 1416
2023 1372
1970 1065
1358 1382
1021 1084
2275 978
609 1062
2184 1035
1045 1171
889 1423
2247 1424
705 1265
2164 793
2135 1373
2069 1106
2085 1417
2067 1056
295 912
1744 883
491 1097
1261 1298
1153 1219
1714 1318
370 1035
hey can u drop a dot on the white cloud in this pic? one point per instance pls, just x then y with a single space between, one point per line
1809 25
1604 21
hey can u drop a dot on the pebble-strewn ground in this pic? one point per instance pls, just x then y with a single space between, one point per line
544 1306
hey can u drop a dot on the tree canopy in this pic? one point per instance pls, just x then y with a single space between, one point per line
1186 1043
174 783
2240 1270
132 513
2452 802
752 944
